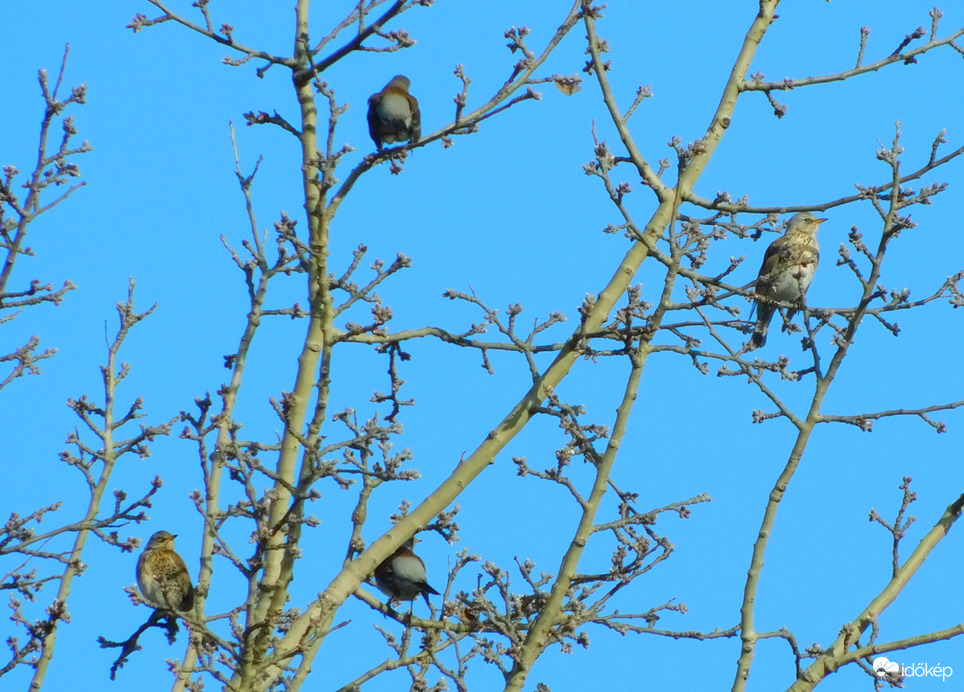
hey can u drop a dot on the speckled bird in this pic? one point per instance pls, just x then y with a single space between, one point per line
162 575
788 268
402 576
393 114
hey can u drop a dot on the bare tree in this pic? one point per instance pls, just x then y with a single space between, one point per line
256 492
53 168
37 556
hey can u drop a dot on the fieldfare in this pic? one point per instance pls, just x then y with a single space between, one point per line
393 114
788 268
162 575
402 576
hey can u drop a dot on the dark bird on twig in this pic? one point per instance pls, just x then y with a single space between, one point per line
162 575
393 114
402 576
788 268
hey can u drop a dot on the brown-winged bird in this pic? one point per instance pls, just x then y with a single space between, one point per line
402 576
162 575
788 268
393 114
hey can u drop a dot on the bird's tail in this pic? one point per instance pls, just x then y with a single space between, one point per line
764 314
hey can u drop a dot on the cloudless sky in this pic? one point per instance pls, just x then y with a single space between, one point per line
510 214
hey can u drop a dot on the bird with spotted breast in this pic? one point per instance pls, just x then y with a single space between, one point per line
162 575
393 114
788 268
402 576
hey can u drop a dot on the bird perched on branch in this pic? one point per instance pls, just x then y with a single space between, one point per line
162 575
402 576
393 114
788 267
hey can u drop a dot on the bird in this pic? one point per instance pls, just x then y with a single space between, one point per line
788 268
393 114
162 575
402 576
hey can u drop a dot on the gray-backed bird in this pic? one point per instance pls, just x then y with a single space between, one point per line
393 114
788 268
162 575
402 576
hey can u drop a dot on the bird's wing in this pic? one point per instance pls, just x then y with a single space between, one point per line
179 568
385 575
774 259
373 121
416 118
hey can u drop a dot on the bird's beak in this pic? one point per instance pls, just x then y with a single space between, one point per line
822 220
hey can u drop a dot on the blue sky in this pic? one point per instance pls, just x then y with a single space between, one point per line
510 214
